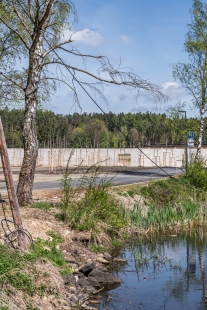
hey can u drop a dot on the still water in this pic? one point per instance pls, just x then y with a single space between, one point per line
168 272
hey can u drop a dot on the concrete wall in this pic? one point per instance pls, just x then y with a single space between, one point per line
170 157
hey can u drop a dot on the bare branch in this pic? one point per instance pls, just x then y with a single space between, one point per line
125 78
59 80
57 46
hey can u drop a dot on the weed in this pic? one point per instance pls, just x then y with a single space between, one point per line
116 243
3 307
43 205
98 248
130 193
97 210
17 270
164 192
160 218
66 271
48 249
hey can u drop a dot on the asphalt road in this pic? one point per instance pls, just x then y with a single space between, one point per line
123 178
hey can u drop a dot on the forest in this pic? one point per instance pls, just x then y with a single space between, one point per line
92 130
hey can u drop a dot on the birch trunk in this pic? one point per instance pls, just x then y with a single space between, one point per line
26 177
200 137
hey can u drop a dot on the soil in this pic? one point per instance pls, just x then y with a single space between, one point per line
76 252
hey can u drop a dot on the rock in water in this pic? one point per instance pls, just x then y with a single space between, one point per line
103 277
87 268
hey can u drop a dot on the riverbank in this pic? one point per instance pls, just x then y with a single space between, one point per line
61 272
76 231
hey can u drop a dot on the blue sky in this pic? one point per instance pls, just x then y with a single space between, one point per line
148 35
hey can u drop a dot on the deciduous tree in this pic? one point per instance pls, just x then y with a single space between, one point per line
37 27
193 75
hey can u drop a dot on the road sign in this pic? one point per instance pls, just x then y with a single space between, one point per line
191 143
190 134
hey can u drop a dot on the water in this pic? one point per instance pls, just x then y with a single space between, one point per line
161 273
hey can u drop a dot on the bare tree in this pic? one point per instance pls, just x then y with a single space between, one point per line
38 26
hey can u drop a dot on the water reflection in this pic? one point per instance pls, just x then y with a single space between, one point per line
168 272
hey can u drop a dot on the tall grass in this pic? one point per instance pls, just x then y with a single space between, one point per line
169 217
90 206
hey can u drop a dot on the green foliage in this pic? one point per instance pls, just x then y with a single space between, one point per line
98 248
17 270
43 205
96 210
75 130
165 192
155 218
48 249
3 307
196 173
193 75
130 193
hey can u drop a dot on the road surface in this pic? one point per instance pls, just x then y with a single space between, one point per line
123 178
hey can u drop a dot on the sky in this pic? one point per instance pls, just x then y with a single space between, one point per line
148 37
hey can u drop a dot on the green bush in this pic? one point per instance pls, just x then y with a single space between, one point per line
165 192
97 210
196 173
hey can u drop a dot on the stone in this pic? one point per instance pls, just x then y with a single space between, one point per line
78 274
102 260
69 280
87 268
107 256
104 277
101 268
71 303
83 282
74 299
93 281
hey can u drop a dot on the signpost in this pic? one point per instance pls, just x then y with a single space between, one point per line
191 138
191 134
191 143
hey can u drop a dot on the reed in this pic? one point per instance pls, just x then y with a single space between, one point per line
154 219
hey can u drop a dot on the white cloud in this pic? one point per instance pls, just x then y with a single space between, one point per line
85 36
125 39
173 90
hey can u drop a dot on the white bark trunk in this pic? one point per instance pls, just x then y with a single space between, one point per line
26 177
200 137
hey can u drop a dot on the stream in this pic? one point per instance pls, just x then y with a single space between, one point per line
166 272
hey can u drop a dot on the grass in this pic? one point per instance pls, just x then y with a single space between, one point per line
169 217
92 207
17 269
43 205
169 203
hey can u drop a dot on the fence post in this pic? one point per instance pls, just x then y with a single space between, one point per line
14 204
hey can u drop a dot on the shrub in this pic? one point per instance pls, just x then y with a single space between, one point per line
97 210
196 173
